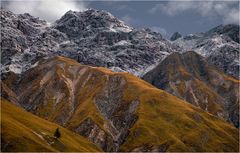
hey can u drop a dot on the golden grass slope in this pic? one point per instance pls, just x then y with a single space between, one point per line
24 132
163 122
191 78
167 123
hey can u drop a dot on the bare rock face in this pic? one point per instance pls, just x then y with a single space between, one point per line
190 77
89 129
231 30
24 40
118 113
119 116
91 37
220 46
98 38
101 39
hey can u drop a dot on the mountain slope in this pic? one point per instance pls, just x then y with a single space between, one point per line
91 37
190 77
117 111
23 132
220 46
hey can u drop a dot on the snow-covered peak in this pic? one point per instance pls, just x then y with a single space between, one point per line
91 19
219 45
89 23
91 37
230 30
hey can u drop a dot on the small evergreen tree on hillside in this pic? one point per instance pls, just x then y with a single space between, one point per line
57 133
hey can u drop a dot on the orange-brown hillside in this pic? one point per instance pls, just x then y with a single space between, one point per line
190 77
117 111
22 131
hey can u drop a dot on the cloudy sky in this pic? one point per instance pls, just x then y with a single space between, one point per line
165 17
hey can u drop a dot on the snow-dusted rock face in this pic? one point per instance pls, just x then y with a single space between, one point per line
219 45
88 23
25 39
100 39
91 37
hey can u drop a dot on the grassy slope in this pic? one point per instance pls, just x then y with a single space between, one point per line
22 131
164 121
201 90
214 87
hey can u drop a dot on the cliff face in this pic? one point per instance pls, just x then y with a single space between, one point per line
117 111
190 77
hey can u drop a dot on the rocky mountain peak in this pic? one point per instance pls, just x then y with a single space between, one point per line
91 37
13 20
6 14
230 30
96 37
75 23
220 46
175 36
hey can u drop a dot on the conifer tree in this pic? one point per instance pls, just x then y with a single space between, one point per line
57 133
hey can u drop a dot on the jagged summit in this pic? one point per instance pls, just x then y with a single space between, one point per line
91 37
76 23
231 30
175 36
98 38
220 46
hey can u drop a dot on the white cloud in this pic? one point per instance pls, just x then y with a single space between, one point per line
159 30
232 17
225 9
49 10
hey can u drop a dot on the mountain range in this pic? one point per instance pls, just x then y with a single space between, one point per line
111 87
92 37
219 45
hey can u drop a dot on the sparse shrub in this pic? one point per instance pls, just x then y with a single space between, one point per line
57 133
